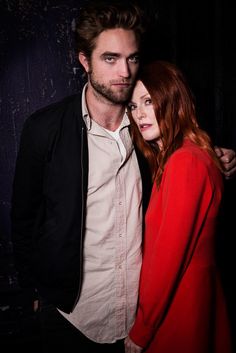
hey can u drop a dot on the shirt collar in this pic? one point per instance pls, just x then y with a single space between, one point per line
85 112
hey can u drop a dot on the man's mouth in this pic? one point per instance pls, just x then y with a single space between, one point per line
121 84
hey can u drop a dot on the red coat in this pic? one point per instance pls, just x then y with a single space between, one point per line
182 307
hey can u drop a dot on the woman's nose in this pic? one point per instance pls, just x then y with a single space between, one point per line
140 114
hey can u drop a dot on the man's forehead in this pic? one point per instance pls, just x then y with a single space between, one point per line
117 40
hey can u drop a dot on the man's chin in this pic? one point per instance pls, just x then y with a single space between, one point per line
123 97
121 100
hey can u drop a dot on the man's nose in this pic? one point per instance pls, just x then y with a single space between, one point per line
124 69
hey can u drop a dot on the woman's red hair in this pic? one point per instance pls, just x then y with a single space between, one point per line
174 107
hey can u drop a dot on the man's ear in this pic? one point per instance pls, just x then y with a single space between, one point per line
83 61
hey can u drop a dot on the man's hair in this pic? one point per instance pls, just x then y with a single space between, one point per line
96 17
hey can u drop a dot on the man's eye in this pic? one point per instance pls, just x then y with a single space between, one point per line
134 59
109 59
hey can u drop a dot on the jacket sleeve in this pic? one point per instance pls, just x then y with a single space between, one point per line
27 198
186 196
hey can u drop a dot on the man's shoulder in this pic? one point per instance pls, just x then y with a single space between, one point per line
48 120
55 110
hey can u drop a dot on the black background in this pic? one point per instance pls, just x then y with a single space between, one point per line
38 66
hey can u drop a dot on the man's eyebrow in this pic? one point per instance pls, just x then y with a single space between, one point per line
137 53
109 53
117 55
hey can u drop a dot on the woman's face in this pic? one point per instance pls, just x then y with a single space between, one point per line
143 113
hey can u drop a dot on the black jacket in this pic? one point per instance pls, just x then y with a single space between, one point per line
48 202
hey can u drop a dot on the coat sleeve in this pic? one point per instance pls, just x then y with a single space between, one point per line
186 196
27 197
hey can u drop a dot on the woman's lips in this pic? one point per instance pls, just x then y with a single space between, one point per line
144 127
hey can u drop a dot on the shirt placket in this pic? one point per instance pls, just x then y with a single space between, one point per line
120 271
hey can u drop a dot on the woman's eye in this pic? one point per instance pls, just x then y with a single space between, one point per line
131 106
148 101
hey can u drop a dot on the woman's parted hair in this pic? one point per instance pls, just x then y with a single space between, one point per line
174 107
97 16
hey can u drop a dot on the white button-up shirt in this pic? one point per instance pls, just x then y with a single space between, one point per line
112 245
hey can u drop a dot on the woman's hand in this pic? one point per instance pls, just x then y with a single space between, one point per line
131 347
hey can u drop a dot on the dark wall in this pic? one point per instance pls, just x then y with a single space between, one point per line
199 37
38 66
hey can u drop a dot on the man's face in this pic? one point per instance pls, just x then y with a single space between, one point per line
113 65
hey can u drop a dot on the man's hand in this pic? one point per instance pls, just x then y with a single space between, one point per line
36 305
228 161
131 347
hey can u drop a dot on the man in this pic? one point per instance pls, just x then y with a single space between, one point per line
78 194
77 204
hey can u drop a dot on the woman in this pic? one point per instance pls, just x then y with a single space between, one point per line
182 308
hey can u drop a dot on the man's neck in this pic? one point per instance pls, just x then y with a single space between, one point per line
104 112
